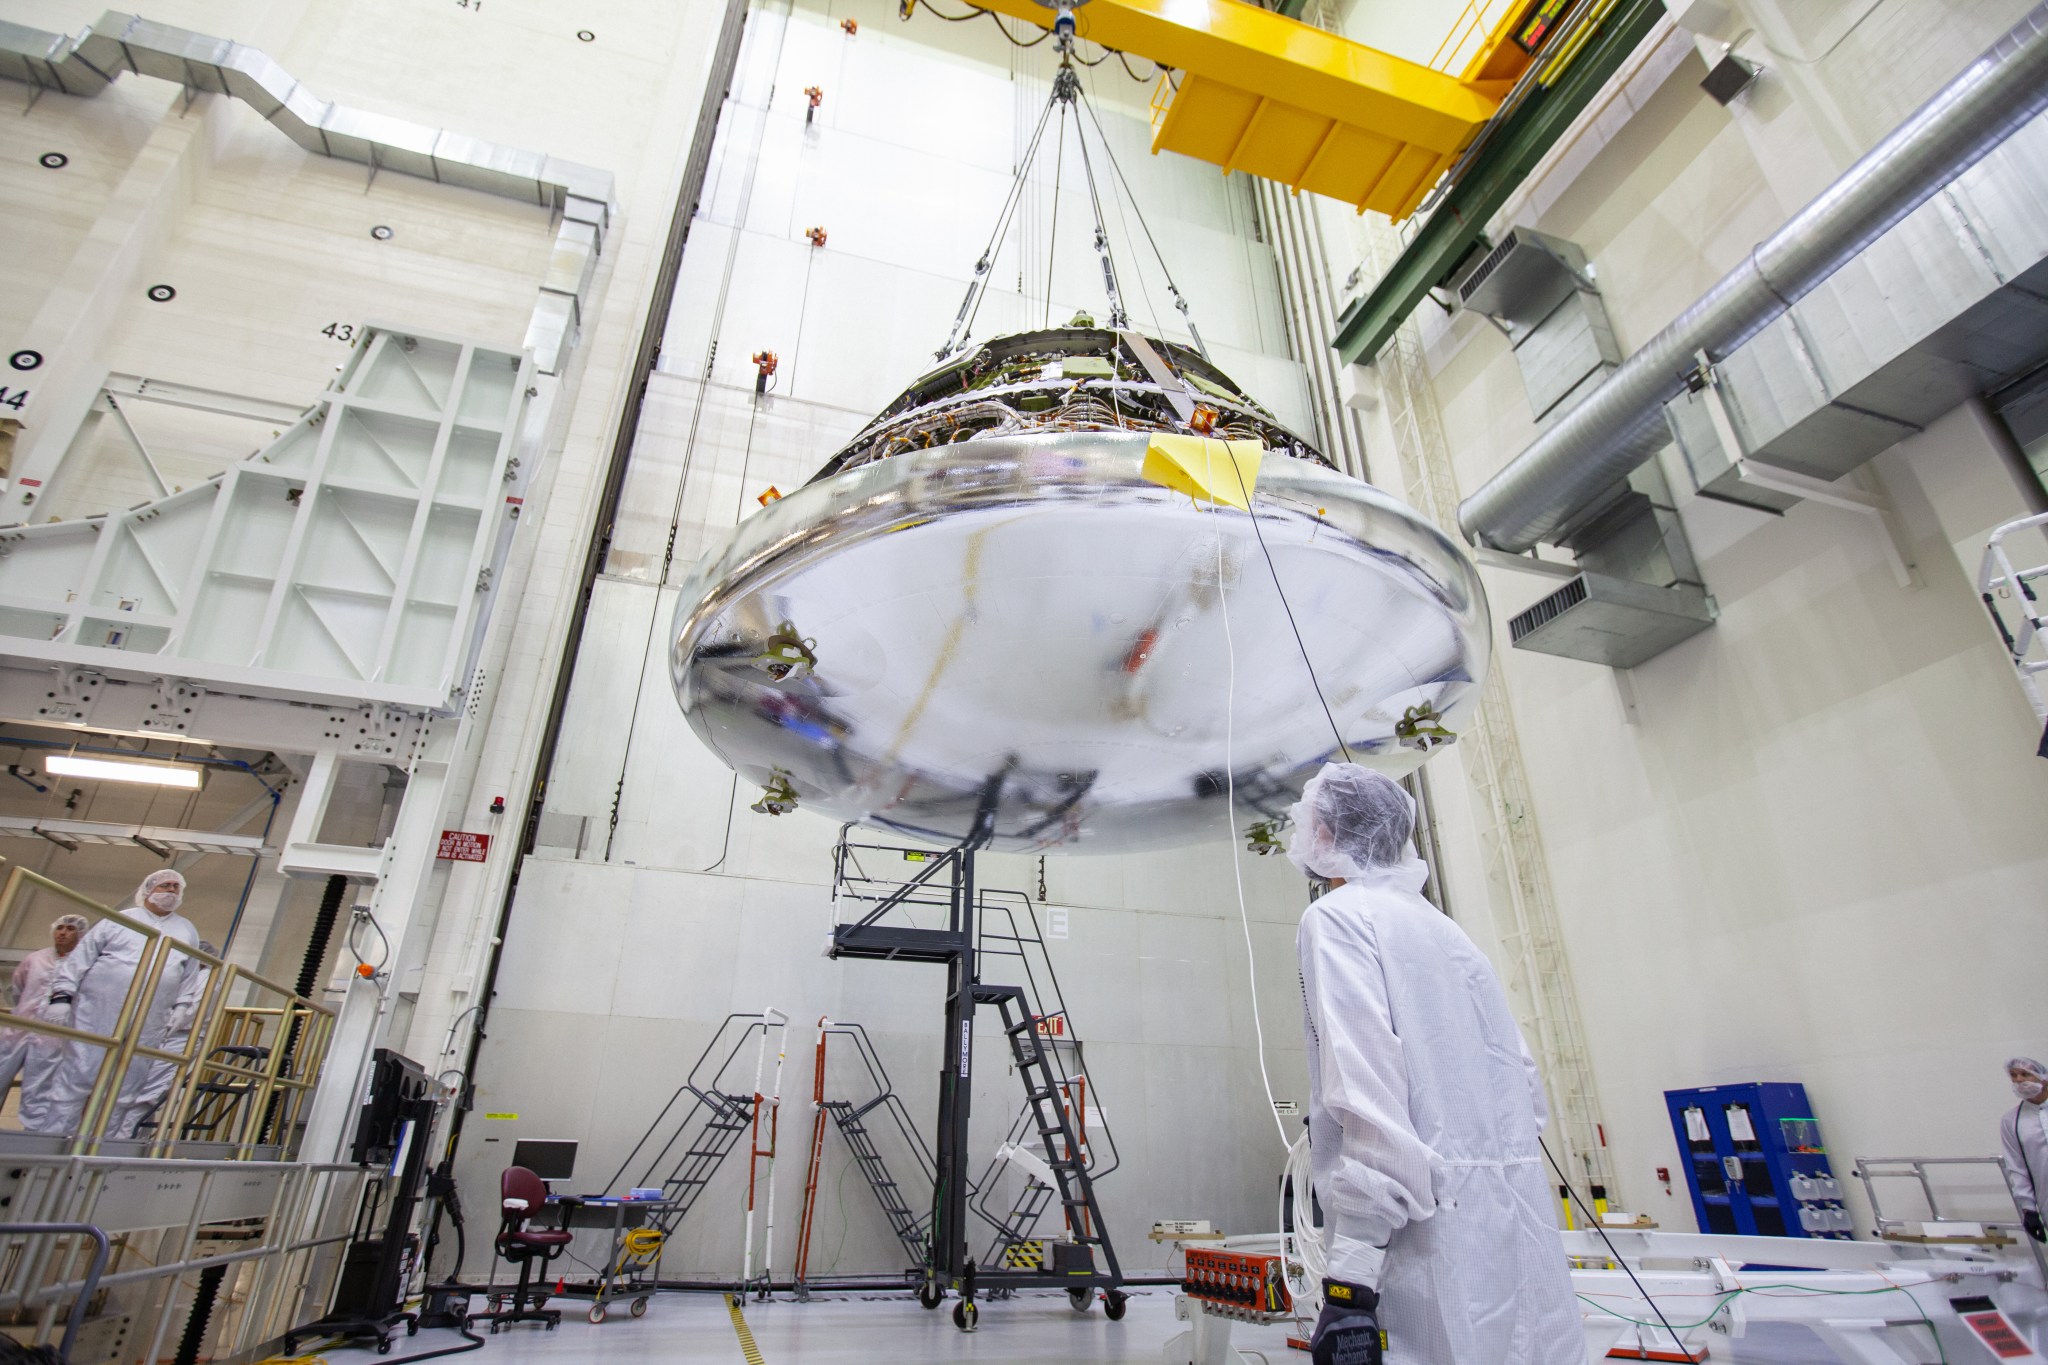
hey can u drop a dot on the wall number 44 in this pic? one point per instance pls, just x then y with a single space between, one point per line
13 398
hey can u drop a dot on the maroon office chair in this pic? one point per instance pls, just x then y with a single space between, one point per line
523 1195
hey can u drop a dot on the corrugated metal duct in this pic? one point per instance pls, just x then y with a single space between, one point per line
1620 426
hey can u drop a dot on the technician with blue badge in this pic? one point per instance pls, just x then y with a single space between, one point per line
1424 1110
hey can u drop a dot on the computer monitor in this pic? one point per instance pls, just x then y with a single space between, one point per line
551 1159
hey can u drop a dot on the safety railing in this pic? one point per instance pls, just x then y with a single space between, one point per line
110 1253
1472 35
250 1060
2010 595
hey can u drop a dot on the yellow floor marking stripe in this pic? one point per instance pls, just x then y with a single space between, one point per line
739 1325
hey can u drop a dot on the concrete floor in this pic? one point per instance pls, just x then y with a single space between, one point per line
845 1329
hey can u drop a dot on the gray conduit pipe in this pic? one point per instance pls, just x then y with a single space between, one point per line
1620 426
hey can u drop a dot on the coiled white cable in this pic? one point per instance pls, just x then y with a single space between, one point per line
1303 1246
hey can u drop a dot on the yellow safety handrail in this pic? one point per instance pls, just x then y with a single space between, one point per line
297 1030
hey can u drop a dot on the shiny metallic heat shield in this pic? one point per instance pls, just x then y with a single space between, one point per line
1018 638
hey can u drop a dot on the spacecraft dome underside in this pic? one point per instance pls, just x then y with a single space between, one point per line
1017 638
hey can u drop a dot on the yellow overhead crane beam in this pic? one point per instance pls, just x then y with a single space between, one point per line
1262 93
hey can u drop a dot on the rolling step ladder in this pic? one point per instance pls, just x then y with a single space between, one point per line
1045 1104
703 1121
910 1229
943 889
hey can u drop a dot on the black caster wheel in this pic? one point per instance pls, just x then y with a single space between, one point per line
596 1313
1079 1299
1113 1305
291 1346
412 1329
639 1308
964 1315
383 1346
930 1295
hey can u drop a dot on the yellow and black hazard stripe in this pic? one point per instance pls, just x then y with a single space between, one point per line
746 1336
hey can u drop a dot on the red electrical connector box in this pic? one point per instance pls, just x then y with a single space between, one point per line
1238 1284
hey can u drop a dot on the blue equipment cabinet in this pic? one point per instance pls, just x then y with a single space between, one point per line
1753 1159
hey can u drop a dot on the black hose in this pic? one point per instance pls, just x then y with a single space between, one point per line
201 1314
472 1341
725 60
323 933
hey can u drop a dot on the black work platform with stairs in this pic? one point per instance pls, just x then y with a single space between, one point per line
1082 1262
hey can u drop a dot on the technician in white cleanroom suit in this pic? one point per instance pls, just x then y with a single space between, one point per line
1424 1110
87 991
140 1101
2024 1135
23 1052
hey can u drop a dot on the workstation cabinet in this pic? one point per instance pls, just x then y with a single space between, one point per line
1754 1161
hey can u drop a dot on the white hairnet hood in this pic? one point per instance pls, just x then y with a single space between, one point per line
1351 822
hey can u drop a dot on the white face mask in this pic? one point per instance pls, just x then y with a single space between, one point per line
2028 1090
163 900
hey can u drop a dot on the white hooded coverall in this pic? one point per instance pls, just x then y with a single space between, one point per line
97 974
1424 1110
19 1048
138 1101
2023 1132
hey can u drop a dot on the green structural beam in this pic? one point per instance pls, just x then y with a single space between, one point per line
1518 144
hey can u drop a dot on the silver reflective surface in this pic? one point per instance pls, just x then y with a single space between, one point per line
1021 628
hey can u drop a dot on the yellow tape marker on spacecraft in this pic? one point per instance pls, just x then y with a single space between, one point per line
1204 468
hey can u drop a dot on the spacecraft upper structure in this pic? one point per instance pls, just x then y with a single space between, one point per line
1074 590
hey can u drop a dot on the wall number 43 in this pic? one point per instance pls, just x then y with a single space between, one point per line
340 331
13 398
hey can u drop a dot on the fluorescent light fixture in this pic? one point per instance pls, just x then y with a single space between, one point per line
180 775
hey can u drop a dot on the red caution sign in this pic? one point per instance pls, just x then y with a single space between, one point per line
1995 1332
460 846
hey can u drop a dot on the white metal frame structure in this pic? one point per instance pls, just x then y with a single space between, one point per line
385 691
351 559
2011 597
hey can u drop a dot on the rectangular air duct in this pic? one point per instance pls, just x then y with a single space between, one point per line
1523 278
1950 303
1612 621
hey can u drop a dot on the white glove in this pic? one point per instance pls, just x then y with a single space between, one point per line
58 1012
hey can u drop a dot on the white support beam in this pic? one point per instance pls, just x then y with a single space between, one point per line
156 838
1891 538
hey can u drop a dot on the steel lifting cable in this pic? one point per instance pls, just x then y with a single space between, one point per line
1052 235
1070 84
1179 302
977 288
